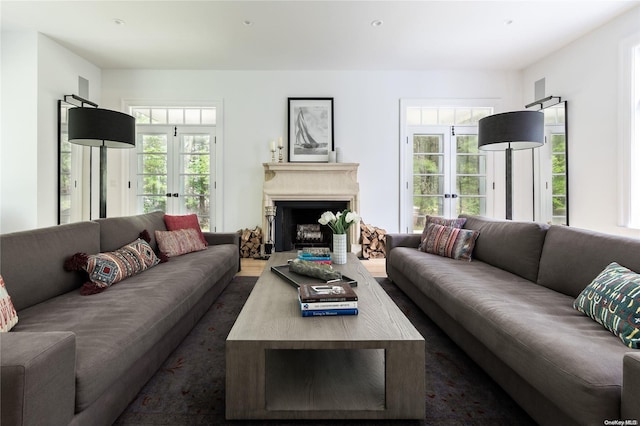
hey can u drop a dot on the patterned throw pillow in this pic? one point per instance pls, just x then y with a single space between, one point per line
613 300
106 269
182 241
188 221
448 241
8 314
455 222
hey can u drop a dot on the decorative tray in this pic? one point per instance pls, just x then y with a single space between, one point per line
296 279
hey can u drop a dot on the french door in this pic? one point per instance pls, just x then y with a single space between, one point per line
175 172
447 174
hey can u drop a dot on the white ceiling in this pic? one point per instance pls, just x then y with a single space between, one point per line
314 35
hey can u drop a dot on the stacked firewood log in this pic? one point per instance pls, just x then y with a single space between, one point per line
373 241
250 240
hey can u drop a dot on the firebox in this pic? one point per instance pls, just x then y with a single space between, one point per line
296 224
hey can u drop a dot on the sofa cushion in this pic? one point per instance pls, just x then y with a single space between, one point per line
8 314
573 257
179 242
454 222
448 241
118 231
28 258
509 245
187 221
613 300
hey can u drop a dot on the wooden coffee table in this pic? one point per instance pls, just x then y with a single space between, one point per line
280 365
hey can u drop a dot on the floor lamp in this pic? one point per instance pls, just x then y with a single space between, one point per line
105 129
507 132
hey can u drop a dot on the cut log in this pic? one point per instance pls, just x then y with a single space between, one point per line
373 241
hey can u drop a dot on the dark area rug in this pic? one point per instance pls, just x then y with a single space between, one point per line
189 389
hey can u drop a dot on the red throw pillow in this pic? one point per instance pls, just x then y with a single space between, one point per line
188 221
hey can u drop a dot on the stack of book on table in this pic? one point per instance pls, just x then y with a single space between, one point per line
315 254
327 299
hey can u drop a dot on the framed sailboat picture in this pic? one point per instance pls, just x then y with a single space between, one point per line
310 129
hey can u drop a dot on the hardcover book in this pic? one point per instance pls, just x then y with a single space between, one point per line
329 312
329 292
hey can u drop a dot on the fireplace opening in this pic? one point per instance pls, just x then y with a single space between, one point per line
296 224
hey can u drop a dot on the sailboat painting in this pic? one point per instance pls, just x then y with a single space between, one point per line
310 129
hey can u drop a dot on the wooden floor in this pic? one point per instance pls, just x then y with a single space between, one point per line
254 267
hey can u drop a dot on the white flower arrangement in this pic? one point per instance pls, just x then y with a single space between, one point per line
339 222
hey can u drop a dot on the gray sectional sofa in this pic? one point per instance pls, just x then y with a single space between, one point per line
80 360
510 309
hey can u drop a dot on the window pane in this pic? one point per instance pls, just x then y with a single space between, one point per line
471 164
200 206
413 116
446 115
196 185
428 185
427 144
432 206
152 164
479 113
195 144
154 143
559 207
153 203
192 116
142 115
467 144
195 164
463 116
558 143
471 185
159 116
176 116
429 116
471 205
153 184
428 164
209 116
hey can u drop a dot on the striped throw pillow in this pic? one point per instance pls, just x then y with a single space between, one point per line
449 241
181 241
455 222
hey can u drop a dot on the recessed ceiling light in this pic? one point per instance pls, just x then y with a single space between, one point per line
247 23
508 22
377 23
119 21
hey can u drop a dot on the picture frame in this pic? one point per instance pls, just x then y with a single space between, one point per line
310 130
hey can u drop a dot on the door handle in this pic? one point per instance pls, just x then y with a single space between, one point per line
447 195
175 194
454 195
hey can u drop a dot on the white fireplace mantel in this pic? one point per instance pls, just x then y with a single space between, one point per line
313 182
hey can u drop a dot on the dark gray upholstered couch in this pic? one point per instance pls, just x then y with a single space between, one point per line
510 309
74 359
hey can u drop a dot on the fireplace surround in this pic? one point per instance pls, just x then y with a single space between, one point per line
306 190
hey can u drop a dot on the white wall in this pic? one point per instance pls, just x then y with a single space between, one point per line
18 146
366 114
586 74
36 73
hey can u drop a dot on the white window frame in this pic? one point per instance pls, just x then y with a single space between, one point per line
405 130
218 191
629 133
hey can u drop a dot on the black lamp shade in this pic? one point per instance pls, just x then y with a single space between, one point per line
101 127
515 130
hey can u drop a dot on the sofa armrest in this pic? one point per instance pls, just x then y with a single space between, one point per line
37 378
215 238
631 386
402 240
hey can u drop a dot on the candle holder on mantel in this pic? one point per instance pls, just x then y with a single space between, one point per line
273 155
267 247
280 159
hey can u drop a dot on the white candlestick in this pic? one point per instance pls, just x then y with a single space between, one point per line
273 146
280 142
